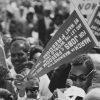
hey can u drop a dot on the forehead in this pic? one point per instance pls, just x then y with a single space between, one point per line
34 83
17 50
78 70
17 46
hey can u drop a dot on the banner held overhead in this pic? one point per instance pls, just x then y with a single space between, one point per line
72 39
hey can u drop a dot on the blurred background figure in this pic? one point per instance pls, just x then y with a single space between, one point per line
4 82
82 71
20 54
32 89
5 95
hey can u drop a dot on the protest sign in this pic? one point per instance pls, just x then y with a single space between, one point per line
94 22
86 7
72 39
2 56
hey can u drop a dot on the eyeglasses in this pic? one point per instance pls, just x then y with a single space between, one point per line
32 89
81 77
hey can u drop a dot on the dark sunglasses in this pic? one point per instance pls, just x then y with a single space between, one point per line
80 77
32 89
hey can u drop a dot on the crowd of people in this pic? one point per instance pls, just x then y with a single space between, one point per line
24 33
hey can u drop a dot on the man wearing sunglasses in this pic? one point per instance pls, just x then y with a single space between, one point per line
80 75
32 89
82 71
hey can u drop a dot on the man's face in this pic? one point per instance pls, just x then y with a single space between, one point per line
78 76
32 89
18 56
32 92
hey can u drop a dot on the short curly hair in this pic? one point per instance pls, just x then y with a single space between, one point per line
83 59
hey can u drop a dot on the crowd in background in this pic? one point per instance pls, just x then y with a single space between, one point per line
37 21
26 27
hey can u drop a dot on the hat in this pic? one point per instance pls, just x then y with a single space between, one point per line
74 92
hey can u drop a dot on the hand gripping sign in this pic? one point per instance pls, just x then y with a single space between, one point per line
72 39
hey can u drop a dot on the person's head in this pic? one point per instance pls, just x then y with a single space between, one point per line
32 89
3 72
19 52
29 17
82 70
5 95
35 53
39 11
94 94
21 10
58 19
47 12
39 8
16 28
74 93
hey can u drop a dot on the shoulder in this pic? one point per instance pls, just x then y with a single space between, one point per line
94 94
